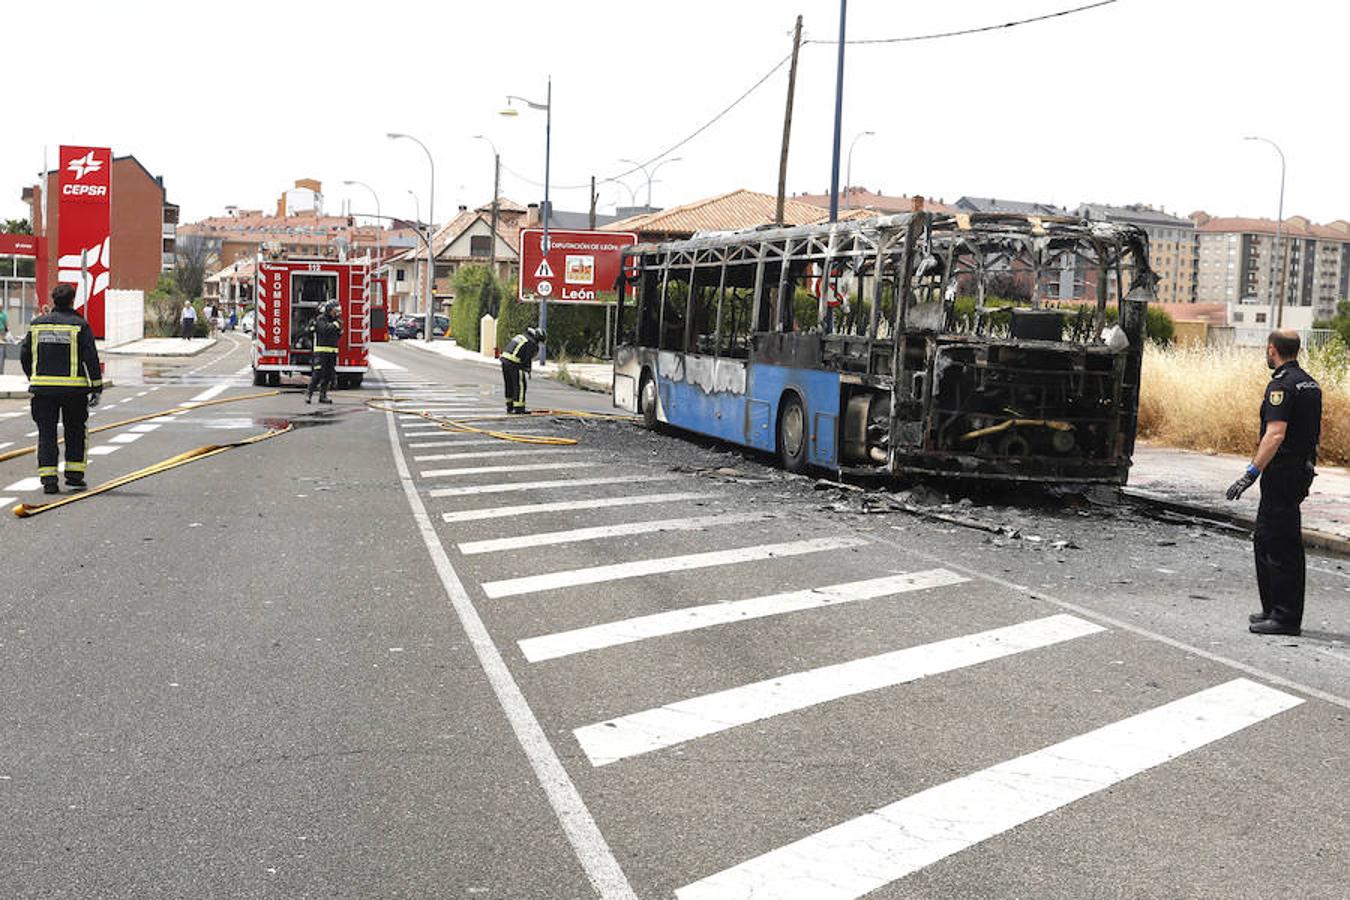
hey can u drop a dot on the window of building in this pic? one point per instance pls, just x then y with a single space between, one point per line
400 274
1260 318
480 245
445 270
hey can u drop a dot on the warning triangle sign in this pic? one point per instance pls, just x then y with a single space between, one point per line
544 270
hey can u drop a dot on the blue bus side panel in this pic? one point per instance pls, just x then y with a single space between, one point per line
750 418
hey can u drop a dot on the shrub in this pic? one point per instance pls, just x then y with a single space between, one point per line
475 290
574 330
1208 398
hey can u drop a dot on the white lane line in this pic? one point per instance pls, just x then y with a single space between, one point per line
126 400
508 450
509 486
675 723
596 858
246 370
26 484
108 407
163 419
104 449
4 444
473 442
209 394
501 512
142 393
641 628
410 424
5 501
497 470
460 438
863 854
155 388
129 438
30 434
529 584
145 427
597 532
10 415
379 362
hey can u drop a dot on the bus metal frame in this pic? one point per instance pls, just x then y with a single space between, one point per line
907 388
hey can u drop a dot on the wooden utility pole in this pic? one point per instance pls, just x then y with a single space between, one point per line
594 197
787 122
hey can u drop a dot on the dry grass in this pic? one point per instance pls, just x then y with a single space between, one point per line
1209 398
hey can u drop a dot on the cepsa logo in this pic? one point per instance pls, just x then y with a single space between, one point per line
84 190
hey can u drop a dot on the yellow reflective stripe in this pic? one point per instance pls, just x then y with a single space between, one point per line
44 471
76 466
74 332
325 349
96 383
61 381
511 356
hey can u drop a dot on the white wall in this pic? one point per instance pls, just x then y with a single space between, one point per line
124 317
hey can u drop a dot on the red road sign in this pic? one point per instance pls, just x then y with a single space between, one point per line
580 266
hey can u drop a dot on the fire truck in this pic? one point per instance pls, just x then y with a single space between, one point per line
291 292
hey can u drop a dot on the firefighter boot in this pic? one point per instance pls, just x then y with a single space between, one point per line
309 392
75 481
50 485
323 395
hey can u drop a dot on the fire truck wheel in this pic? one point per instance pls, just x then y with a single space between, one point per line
259 378
273 379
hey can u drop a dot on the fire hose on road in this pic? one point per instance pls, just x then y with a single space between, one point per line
461 426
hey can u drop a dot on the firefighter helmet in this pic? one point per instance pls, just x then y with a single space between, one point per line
538 335
332 307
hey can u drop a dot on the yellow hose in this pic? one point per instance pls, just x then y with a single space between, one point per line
24 511
24 451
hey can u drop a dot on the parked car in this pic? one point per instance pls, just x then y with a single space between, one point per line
246 322
412 327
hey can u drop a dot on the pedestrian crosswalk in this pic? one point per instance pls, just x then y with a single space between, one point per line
588 566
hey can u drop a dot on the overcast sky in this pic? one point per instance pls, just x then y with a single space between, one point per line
1140 101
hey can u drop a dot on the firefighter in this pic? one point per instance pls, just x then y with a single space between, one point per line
517 359
327 331
1291 426
59 357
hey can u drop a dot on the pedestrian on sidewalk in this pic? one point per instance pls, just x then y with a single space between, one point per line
5 337
327 329
59 357
1291 427
188 318
517 359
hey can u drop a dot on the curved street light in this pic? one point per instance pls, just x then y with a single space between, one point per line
547 107
379 246
848 176
428 291
652 174
1276 257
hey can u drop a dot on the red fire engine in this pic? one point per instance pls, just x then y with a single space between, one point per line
291 292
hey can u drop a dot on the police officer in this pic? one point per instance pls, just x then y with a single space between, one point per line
59 357
517 359
1291 426
327 332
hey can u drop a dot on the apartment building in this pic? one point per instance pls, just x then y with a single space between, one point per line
1172 245
1238 262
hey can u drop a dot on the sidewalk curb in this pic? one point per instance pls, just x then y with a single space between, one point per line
1312 538
118 351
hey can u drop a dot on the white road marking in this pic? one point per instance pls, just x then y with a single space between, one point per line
507 450
5 501
26 484
129 438
473 441
675 723
627 631
163 419
598 532
497 470
529 584
246 370
4 444
145 427
108 407
126 400
209 394
594 854
379 362
104 449
10 415
30 434
410 424
142 393
508 486
564 506
861 855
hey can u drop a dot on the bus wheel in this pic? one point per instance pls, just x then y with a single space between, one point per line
647 402
792 435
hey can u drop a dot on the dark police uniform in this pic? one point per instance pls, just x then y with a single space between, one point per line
327 333
1293 397
517 359
59 357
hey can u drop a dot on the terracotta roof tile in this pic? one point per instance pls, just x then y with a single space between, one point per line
861 198
731 211
1293 227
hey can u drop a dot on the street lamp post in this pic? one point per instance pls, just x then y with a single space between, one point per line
427 290
652 174
1277 256
379 243
848 171
496 188
547 107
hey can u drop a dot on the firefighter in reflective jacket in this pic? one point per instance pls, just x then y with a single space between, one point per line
61 362
516 361
327 332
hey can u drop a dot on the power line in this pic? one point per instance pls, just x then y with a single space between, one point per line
778 65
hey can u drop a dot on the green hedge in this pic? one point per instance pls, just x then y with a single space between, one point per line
573 330
476 289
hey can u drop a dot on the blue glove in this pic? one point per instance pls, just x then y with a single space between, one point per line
1247 480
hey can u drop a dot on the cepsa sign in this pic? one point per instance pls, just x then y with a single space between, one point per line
580 266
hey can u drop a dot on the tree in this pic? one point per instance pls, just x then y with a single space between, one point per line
1340 323
17 226
193 256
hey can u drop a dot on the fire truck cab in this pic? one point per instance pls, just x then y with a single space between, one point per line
290 294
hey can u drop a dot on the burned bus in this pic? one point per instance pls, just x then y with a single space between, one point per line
981 346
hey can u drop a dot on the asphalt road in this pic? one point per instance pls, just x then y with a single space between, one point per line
372 658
